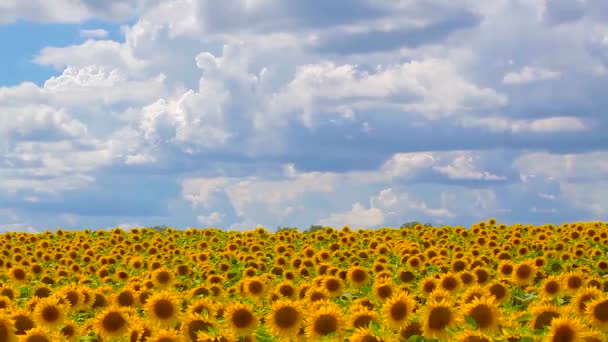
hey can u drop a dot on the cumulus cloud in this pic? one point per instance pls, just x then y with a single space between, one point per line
530 74
93 33
357 217
436 110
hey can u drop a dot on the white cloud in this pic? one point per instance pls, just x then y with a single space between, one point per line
107 53
555 124
432 87
405 164
591 166
589 196
357 217
200 191
530 74
210 220
463 167
93 33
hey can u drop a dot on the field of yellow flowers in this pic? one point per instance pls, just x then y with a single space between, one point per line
489 282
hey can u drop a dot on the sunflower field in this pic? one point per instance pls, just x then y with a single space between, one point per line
489 282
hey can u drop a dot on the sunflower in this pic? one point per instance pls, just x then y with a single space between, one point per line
499 290
524 272
254 287
597 312
286 290
202 305
6 303
162 278
361 317
449 282
551 287
18 274
473 336
367 335
397 310
23 321
285 319
49 312
126 297
40 334
193 324
241 318
163 308
428 285
325 323
582 298
410 329
70 331
484 312
573 281
221 334
358 276
505 268
436 317
472 293
164 335
7 328
334 285
317 294
542 315
565 329
113 322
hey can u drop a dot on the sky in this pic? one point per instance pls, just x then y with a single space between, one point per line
240 113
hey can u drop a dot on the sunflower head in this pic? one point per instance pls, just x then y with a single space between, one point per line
49 312
285 319
325 323
437 317
163 308
241 318
113 322
397 311
484 312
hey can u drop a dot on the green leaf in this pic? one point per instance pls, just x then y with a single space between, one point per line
470 321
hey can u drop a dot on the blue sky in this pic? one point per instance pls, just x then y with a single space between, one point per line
240 113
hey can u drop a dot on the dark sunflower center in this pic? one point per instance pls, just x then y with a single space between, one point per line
68 331
482 314
439 318
163 277
498 291
255 287
552 287
385 291
544 319
163 309
449 283
242 318
600 312
113 321
286 317
524 272
50 313
325 324
125 298
22 324
399 311
358 276
195 326
564 333
362 321
37 338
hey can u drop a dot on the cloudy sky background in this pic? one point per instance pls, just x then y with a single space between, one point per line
366 113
